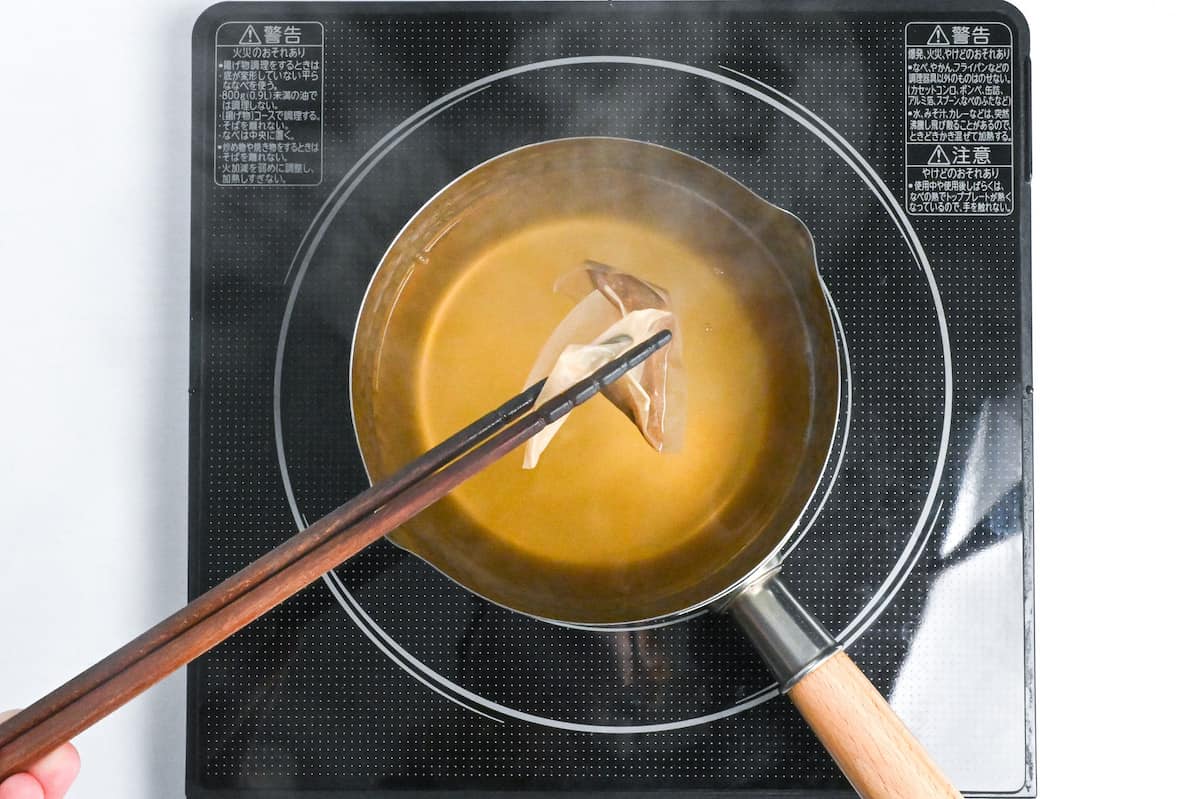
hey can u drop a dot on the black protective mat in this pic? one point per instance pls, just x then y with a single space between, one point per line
898 133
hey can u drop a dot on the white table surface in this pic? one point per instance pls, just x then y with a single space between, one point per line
93 353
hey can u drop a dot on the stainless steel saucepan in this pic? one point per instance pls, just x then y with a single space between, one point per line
870 744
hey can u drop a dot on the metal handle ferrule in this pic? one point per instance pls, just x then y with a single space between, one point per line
789 639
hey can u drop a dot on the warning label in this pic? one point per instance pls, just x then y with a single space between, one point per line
268 128
958 87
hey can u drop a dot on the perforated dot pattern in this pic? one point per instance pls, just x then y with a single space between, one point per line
314 694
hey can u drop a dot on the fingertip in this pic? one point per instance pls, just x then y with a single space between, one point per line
56 771
21 786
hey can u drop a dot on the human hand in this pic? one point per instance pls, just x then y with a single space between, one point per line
49 778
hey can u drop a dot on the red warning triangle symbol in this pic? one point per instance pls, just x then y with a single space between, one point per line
938 156
249 36
938 36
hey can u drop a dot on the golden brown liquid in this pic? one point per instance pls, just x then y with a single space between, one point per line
605 528
600 494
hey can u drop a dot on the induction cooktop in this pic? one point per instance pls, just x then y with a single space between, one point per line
897 131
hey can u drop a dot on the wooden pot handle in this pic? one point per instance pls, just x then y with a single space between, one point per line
868 741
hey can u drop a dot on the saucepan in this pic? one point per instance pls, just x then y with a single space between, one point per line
870 744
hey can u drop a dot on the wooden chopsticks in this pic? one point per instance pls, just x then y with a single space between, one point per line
235 602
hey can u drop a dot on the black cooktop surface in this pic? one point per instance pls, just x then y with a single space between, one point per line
897 132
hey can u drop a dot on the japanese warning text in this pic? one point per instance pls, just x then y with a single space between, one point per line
959 118
268 128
